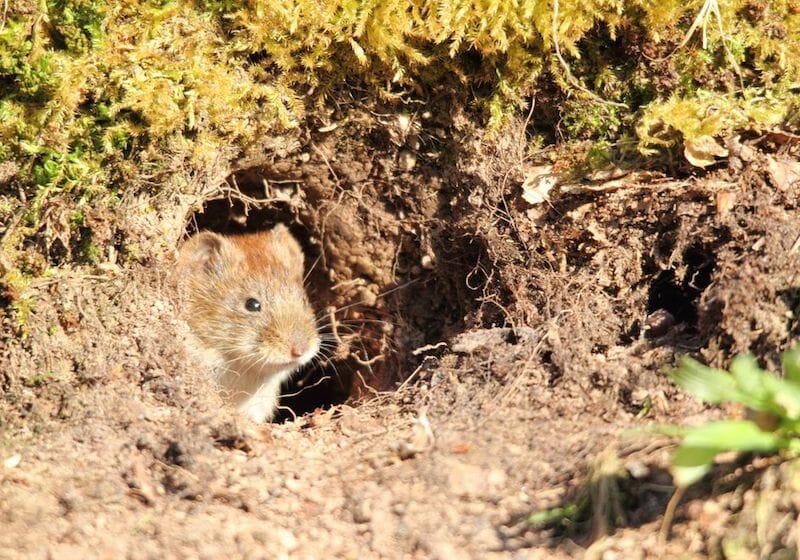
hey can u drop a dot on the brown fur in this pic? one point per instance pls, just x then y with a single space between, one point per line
249 353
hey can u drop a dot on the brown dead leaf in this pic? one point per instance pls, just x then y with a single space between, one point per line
783 172
537 184
703 151
726 200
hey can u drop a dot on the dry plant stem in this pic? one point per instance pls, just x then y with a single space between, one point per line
327 163
290 411
669 516
368 362
334 326
570 77
366 385
709 7
318 382
408 379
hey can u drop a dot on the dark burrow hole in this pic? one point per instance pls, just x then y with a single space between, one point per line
319 384
791 297
680 296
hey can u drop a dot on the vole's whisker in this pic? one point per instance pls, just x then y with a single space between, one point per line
310 270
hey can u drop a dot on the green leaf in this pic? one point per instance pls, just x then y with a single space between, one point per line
733 435
549 516
791 364
695 456
794 446
744 369
752 382
785 395
690 464
686 476
705 383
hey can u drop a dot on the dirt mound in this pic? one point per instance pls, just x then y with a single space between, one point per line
489 351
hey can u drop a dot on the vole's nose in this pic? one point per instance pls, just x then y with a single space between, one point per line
298 345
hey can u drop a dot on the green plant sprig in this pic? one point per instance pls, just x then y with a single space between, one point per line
775 426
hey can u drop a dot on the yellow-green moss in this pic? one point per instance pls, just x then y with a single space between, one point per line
95 96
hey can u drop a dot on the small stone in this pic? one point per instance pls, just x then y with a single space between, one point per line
658 323
406 159
362 511
293 484
13 461
287 539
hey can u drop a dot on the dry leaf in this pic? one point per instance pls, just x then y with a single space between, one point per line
725 202
783 173
703 151
537 184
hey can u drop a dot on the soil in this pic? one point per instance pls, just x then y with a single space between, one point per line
495 358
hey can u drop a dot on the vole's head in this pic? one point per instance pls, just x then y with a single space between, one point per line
246 298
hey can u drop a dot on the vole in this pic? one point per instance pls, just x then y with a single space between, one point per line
249 313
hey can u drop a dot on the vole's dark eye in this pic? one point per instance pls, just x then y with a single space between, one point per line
253 305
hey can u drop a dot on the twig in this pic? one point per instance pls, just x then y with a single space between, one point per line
5 15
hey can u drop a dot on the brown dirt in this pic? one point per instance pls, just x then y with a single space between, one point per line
496 355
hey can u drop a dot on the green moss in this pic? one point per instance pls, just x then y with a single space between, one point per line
22 305
97 95
78 24
90 252
679 119
24 73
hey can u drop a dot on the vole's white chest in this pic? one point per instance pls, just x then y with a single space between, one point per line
252 387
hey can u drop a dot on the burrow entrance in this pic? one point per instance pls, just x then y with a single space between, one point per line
381 285
679 294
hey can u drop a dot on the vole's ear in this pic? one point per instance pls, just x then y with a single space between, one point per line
206 253
287 249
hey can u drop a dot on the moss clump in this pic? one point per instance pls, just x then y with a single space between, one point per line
99 98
